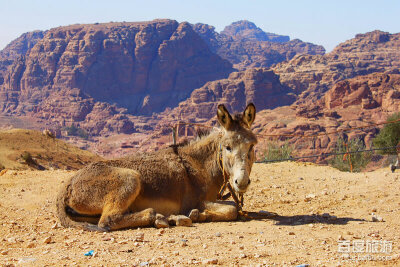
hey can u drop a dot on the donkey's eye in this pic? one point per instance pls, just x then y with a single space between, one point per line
228 148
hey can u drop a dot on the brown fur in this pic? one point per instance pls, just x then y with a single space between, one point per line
136 190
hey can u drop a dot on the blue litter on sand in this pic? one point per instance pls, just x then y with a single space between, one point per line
89 253
303 265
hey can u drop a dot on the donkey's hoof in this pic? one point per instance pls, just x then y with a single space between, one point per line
179 220
161 223
194 215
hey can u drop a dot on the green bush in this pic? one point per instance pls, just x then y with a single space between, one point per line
27 157
389 136
76 131
276 151
358 160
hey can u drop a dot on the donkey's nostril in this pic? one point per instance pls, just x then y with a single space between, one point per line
249 182
236 182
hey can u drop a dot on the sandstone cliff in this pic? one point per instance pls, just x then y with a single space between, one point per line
143 67
350 103
312 75
258 85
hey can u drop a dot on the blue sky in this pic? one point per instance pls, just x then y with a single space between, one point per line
327 23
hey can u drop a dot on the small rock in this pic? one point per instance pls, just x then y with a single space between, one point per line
205 246
12 240
171 240
47 240
184 242
376 218
373 210
145 263
176 253
340 237
4 252
309 197
241 247
31 245
210 261
139 237
301 178
218 234
26 260
291 233
242 256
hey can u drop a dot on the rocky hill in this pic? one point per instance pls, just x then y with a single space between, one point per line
350 103
258 85
246 30
28 149
143 67
312 75
247 46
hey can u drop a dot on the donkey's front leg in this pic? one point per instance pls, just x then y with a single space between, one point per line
218 211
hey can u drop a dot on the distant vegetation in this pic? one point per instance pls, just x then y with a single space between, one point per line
389 136
276 151
76 131
358 160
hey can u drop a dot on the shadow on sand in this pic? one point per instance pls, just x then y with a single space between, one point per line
326 218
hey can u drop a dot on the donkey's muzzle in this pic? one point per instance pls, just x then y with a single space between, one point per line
241 185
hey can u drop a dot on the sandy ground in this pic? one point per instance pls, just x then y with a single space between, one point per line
318 209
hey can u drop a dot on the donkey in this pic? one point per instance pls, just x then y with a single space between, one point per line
144 189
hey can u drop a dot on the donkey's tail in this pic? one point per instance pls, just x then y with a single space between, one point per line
62 214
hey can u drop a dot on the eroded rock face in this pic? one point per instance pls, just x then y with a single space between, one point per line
247 46
21 45
17 49
313 75
367 92
259 86
351 103
143 67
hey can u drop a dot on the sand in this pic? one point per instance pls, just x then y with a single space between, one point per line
318 210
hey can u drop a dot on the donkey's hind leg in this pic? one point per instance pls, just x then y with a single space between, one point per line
116 210
218 211
117 221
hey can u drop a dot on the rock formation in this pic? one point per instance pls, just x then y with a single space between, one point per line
246 30
258 85
312 75
143 67
247 46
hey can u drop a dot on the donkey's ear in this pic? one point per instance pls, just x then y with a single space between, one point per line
249 114
224 117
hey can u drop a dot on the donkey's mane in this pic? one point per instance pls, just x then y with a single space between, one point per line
200 135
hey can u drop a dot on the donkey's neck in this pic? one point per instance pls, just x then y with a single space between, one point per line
205 152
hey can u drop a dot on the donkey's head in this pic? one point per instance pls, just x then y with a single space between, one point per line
237 145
